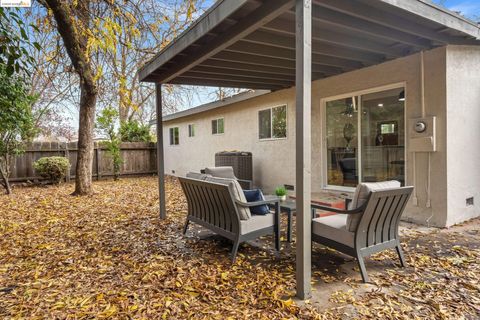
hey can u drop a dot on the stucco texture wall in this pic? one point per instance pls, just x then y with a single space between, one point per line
274 160
463 132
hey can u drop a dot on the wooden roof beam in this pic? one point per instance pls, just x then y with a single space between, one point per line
236 78
337 37
240 66
318 47
269 10
279 53
243 73
344 21
222 83
387 19
273 62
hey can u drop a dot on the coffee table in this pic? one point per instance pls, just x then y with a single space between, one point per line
289 207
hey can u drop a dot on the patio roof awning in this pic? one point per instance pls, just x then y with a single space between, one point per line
251 43
276 44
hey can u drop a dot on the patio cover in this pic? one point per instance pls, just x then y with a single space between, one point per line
276 44
251 43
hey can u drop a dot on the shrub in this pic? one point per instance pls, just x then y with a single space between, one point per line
52 168
281 191
106 123
134 131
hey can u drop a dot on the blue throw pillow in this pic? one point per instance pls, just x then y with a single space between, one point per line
256 195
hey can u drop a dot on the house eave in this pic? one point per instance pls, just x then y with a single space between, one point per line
214 105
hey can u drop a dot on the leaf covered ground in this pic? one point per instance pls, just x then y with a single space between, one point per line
109 256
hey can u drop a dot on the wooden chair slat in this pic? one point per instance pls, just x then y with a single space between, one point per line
213 206
381 219
378 227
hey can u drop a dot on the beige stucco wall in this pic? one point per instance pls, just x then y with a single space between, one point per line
274 160
463 132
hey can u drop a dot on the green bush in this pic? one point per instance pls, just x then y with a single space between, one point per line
281 191
52 168
134 131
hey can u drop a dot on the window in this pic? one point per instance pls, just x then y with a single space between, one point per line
387 128
365 138
174 136
272 123
218 126
191 130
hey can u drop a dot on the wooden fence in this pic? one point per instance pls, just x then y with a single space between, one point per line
139 158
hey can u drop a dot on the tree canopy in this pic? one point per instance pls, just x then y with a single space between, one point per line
16 120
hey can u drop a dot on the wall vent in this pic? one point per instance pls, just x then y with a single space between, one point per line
289 187
469 201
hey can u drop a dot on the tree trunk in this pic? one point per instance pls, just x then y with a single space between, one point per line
6 183
83 170
75 43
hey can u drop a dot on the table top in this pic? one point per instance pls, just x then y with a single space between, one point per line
287 204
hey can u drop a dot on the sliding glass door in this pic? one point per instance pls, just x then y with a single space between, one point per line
365 137
342 141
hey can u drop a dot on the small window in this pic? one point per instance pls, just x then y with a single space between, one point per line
218 126
387 128
174 136
272 123
191 130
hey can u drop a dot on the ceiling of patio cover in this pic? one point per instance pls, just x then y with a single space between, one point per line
251 43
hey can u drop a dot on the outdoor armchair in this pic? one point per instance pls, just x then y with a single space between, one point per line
219 205
369 226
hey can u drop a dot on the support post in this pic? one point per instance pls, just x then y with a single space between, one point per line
67 155
303 82
97 159
160 158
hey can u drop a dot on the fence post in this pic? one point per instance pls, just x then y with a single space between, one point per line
97 158
67 155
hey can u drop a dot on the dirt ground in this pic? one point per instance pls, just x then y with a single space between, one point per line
109 256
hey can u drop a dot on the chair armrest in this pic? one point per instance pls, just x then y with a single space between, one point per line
336 210
347 202
246 184
270 200
257 203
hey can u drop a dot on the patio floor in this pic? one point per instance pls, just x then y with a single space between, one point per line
108 256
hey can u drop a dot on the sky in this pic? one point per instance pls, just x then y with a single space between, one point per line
469 8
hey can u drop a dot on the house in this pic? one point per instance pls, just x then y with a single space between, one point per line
360 91
387 99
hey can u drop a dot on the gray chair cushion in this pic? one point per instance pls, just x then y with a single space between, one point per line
237 192
221 172
197 175
361 195
334 228
257 223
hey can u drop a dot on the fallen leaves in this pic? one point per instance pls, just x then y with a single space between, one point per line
110 256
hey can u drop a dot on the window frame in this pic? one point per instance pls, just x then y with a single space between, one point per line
170 135
191 130
217 133
323 132
271 123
